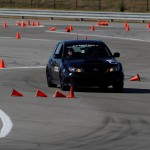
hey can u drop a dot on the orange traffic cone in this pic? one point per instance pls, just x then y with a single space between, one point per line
135 78
18 23
28 23
67 29
105 23
17 35
125 24
92 28
148 25
86 37
98 23
102 23
5 25
39 93
71 28
22 24
127 28
52 29
32 24
38 23
71 93
2 64
16 93
58 94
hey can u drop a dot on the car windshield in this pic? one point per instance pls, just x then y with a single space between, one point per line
86 51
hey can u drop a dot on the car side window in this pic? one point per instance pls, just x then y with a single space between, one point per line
58 50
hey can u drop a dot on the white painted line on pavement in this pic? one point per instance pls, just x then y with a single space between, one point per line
113 37
27 39
7 124
41 26
81 34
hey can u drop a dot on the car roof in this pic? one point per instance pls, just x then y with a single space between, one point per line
81 42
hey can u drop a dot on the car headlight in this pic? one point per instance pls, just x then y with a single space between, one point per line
73 69
113 69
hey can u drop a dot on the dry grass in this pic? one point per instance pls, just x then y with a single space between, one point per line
93 5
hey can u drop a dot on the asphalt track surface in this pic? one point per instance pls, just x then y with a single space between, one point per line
94 120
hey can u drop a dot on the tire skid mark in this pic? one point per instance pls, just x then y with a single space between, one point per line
113 129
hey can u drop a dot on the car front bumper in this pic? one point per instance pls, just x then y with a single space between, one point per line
92 79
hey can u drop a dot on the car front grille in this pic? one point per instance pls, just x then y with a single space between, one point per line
95 69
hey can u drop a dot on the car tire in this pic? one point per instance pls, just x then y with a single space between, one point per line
62 86
49 82
118 87
103 88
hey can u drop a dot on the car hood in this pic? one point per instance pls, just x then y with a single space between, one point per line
92 65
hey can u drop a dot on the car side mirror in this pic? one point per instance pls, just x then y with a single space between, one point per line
116 54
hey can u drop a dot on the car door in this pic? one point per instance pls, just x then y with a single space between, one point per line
56 62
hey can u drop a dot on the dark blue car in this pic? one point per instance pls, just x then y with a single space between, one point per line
84 63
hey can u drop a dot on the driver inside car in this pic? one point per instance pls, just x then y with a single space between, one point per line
70 52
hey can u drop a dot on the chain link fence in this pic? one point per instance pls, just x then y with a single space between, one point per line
92 5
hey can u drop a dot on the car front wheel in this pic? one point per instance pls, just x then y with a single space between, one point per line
49 82
118 87
103 88
63 86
